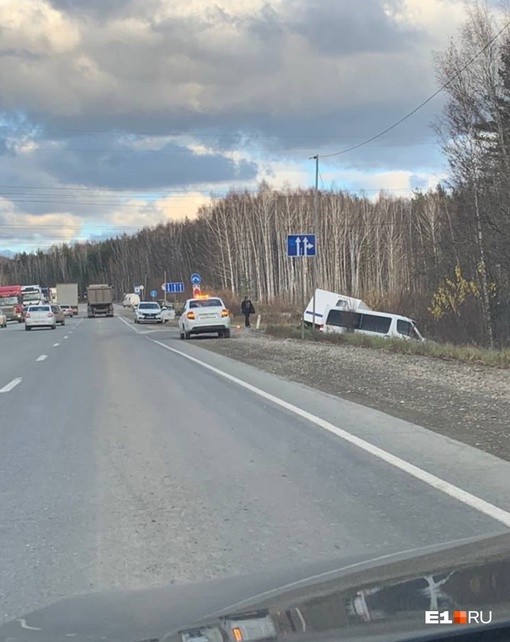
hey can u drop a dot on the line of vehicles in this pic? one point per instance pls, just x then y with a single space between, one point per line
16 301
35 305
331 312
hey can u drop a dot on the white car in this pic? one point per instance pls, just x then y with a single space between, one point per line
3 320
147 311
204 315
40 316
167 313
66 309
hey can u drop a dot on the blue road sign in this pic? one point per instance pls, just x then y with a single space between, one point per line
195 278
173 288
154 293
301 245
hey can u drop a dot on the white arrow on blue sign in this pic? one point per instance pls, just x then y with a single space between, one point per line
153 293
301 245
195 278
173 288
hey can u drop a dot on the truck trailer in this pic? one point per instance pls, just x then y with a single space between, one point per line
99 301
68 293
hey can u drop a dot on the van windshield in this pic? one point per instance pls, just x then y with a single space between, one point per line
408 329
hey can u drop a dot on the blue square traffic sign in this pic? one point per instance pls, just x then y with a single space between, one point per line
301 245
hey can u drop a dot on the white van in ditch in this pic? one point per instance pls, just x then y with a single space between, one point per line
370 322
325 298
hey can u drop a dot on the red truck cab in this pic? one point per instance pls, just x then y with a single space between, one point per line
11 302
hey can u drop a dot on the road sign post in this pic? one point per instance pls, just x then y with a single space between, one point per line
302 246
315 217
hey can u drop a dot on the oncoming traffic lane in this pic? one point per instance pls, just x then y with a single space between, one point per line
26 352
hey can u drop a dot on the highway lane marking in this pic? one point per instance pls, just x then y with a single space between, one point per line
66 337
131 327
443 486
42 357
12 384
55 345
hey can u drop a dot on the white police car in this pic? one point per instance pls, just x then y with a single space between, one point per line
204 315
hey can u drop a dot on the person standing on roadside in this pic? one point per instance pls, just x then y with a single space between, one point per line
247 309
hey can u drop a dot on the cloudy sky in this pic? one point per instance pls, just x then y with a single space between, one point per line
116 114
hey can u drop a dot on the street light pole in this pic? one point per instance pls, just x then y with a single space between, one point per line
315 225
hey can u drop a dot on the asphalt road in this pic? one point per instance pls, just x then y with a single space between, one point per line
126 464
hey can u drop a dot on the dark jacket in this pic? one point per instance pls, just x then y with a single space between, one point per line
247 307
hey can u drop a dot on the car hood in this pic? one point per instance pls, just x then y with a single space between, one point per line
354 598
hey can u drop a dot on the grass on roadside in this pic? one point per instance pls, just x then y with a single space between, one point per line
445 351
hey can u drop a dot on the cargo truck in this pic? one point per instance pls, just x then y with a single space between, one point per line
99 301
68 293
11 302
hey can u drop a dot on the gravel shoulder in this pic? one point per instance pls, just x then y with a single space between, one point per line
469 403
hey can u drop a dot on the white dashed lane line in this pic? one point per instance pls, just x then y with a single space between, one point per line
11 385
55 345
42 357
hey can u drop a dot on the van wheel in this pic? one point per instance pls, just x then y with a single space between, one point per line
20 320
226 334
187 335
181 336
27 328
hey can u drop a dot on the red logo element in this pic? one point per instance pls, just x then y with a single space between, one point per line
460 617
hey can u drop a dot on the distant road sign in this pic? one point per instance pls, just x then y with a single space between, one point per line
195 278
173 288
137 290
301 245
196 290
154 293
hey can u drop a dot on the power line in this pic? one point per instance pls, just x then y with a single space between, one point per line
425 102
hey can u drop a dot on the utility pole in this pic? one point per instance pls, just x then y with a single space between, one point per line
315 231
164 296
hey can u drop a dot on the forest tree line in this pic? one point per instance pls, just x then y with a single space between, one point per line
442 257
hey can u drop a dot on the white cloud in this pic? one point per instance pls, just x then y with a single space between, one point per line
267 84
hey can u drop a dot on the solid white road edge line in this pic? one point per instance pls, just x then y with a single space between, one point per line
445 487
11 385
42 357
131 327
